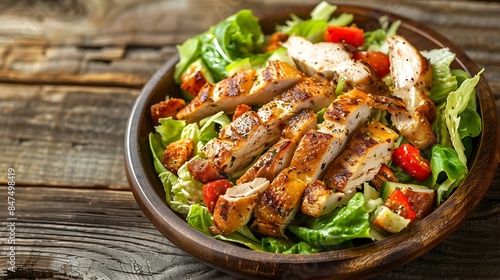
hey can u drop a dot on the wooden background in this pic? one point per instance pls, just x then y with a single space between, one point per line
69 74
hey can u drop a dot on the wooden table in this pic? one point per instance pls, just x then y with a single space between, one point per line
69 74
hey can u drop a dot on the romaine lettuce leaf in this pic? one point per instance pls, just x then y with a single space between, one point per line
448 172
182 189
236 37
302 248
209 125
189 51
259 61
314 28
186 191
443 80
276 245
439 126
346 223
199 218
170 130
456 103
375 40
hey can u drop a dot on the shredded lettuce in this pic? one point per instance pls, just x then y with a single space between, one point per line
346 223
236 37
186 191
170 130
443 80
182 190
314 28
457 103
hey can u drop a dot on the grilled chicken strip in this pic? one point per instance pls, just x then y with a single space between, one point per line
235 207
320 200
412 77
330 59
242 88
370 147
316 150
281 201
347 114
253 132
280 154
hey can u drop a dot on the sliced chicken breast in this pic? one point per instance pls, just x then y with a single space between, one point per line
370 147
320 200
332 59
281 201
412 77
280 154
235 207
316 150
242 88
238 143
252 133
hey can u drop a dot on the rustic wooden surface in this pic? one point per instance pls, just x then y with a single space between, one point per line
69 74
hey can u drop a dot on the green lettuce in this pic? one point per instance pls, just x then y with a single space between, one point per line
375 40
276 245
199 218
189 51
236 37
456 104
182 190
443 80
448 172
439 126
314 28
186 191
259 61
343 224
170 130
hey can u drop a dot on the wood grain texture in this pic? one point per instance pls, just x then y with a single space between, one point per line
69 72
63 135
123 42
84 234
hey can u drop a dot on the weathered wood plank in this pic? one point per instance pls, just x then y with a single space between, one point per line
124 42
79 233
57 135
84 234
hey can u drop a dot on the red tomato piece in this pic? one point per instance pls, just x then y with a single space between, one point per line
377 60
399 203
212 191
344 34
409 159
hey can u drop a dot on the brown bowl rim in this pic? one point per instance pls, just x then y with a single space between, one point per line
392 252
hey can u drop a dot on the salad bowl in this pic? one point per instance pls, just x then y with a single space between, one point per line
358 262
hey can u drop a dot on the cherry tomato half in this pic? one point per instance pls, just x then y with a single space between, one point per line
409 159
344 34
377 60
399 203
212 191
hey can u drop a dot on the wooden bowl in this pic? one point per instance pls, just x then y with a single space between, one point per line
359 262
